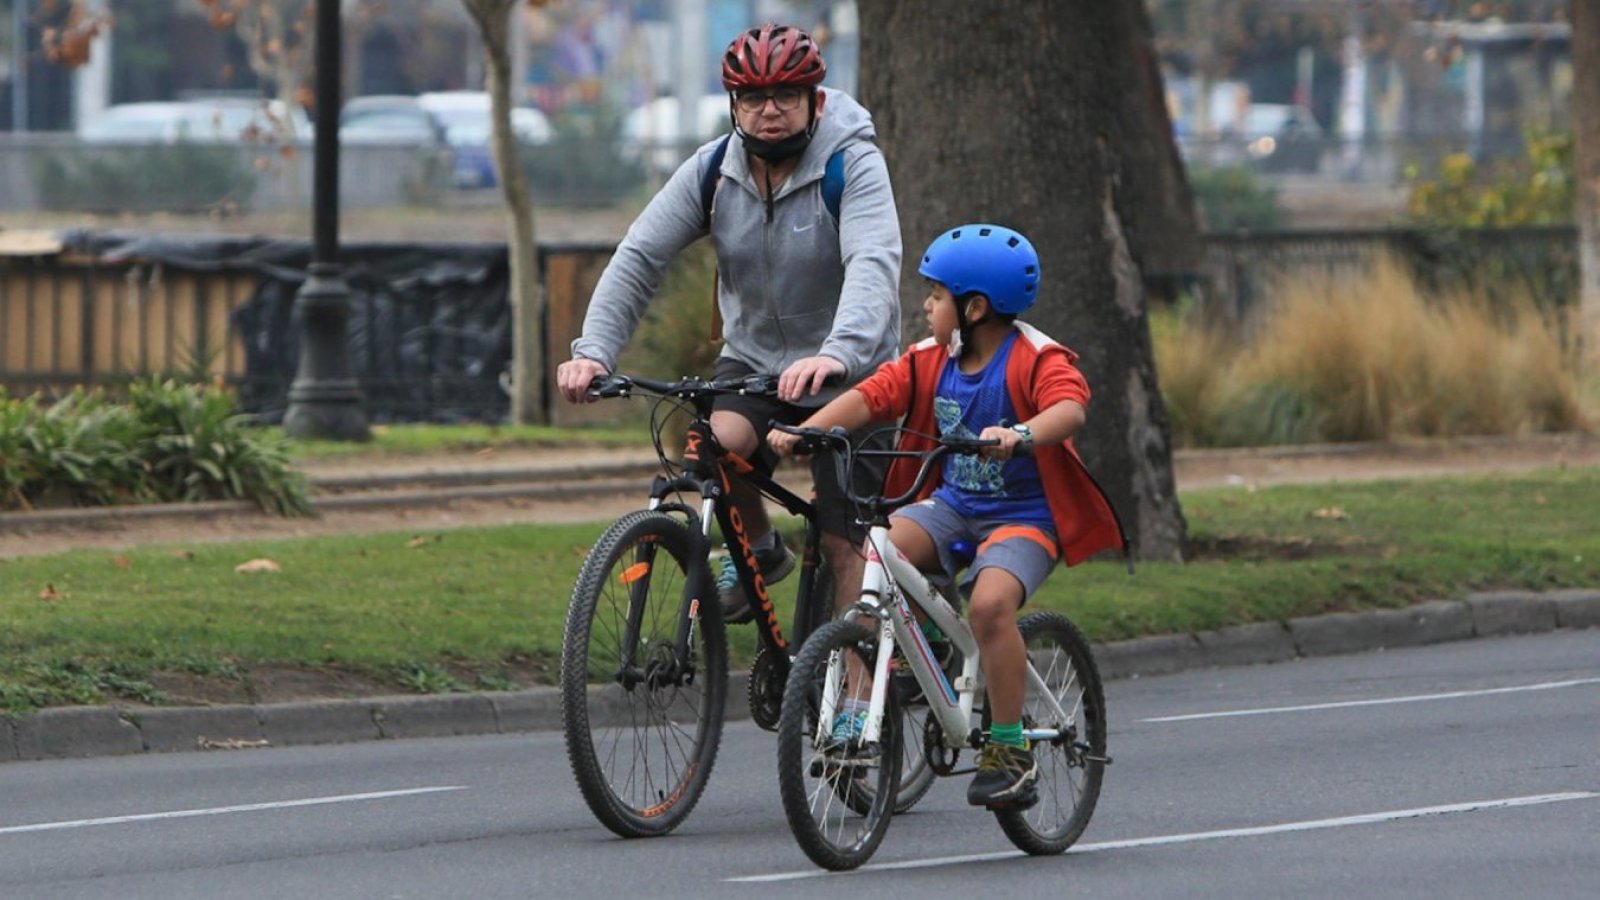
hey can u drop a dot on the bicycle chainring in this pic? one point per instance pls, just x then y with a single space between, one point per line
766 689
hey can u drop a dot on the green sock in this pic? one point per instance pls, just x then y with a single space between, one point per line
1010 735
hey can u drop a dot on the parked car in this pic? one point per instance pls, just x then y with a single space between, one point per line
211 121
651 130
389 119
465 118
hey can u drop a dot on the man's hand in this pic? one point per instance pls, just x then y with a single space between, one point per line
806 376
574 376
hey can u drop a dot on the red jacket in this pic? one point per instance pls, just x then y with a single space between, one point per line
1039 374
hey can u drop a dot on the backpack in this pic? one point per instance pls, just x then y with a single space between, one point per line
832 191
832 180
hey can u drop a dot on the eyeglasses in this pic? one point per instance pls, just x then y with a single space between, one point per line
785 98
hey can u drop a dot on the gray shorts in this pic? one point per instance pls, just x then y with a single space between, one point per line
1027 552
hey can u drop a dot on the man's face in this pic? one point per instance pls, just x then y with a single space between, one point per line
772 114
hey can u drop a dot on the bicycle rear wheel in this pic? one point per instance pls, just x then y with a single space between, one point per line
642 726
819 779
1071 767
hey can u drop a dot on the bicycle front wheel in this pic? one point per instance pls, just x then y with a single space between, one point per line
818 777
1070 767
642 721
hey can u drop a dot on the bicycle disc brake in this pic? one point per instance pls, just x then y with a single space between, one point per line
766 689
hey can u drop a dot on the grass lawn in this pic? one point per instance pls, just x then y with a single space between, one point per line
418 439
483 608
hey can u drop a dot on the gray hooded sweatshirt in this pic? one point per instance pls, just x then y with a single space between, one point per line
789 287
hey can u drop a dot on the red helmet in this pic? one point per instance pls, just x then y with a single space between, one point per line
772 55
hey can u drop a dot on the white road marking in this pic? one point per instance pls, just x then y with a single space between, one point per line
223 810
1309 825
1380 701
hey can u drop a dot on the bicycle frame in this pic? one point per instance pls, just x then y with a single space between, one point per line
891 586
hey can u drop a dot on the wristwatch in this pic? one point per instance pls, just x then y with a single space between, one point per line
1026 433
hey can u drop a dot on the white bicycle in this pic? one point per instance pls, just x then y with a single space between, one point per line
840 797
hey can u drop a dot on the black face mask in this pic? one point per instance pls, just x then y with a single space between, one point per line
777 151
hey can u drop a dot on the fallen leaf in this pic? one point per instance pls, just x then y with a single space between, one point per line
206 743
422 540
185 555
1331 512
49 592
121 562
257 565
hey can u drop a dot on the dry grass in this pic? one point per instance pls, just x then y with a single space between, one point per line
1370 358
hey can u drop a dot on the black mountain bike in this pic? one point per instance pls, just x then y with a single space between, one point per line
644 658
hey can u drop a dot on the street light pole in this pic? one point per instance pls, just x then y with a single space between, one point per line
325 400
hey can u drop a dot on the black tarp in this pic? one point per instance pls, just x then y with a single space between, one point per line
429 329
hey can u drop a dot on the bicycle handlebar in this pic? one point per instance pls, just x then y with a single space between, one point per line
836 440
691 388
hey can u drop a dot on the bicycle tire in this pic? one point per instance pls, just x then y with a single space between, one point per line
641 753
815 781
1070 769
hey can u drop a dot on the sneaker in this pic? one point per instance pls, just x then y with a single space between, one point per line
1005 778
848 726
776 564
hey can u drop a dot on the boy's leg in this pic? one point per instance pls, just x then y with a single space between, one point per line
1012 562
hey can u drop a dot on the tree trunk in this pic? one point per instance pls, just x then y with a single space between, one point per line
1048 117
527 292
1585 18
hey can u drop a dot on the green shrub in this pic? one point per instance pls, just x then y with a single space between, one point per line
199 447
1234 199
170 442
179 177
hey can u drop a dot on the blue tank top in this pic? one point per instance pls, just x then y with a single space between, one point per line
975 487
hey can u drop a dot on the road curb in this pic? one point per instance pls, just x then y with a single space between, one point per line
78 732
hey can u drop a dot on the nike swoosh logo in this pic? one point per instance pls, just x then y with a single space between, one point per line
799 228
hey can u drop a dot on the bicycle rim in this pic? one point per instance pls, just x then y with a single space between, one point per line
1071 768
641 739
817 779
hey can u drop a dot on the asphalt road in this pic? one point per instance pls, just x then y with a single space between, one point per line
1468 769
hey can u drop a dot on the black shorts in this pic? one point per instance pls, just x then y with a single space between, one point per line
835 513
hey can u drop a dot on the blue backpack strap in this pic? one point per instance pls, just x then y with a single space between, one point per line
711 177
833 183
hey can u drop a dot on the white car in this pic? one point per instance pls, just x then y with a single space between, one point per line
651 130
465 118
213 121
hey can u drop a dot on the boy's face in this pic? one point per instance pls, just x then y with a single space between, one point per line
943 316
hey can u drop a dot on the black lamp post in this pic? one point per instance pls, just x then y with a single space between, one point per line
325 400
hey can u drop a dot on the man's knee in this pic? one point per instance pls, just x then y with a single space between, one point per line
734 432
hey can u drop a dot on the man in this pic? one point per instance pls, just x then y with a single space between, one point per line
804 289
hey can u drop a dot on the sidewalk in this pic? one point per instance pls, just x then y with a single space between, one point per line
78 732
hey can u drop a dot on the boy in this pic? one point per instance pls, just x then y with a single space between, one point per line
1025 502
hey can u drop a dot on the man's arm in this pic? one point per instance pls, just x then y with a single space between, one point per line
868 317
672 220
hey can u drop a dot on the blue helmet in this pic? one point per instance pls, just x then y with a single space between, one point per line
992 260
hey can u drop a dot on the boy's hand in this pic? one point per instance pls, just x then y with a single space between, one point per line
782 442
574 376
1009 441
